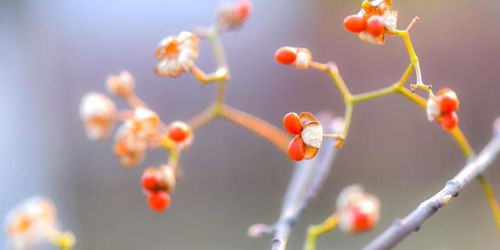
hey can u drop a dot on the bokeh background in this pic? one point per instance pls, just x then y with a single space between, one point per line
53 52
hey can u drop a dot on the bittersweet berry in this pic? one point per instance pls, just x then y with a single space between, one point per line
449 121
292 123
158 201
355 23
151 179
286 55
243 8
296 149
448 101
362 220
375 25
178 131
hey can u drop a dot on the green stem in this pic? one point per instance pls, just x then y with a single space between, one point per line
372 95
490 196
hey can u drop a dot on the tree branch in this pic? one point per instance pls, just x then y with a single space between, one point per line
306 182
475 167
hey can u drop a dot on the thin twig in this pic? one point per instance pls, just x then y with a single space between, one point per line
412 222
307 179
257 126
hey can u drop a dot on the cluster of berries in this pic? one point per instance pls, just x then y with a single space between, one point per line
158 183
373 21
308 135
443 108
141 129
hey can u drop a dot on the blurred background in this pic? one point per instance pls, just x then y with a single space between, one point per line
53 52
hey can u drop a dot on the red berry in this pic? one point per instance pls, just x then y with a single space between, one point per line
375 25
354 23
158 201
296 149
292 123
243 8
449 121
178 131
150 179
285 55
448 101
361 221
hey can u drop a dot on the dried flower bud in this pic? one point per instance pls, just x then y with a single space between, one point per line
177 54
146 122
312 134
30 222
121 85
358 211
98 115
129 147
232 15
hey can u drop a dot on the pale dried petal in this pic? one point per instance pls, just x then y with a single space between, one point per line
367 37
307 117
432 109
312 135
390 19
170 177
303 60
347 194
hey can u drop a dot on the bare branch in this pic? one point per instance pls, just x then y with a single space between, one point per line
401 228
307 179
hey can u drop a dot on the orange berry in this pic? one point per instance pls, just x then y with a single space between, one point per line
243 8
159 200
361 221
354 23
178 131
448 101
375 25
292 123
449 121
285 55
296 149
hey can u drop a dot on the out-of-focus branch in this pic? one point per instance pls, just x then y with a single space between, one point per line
260 127
307 179
412 222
